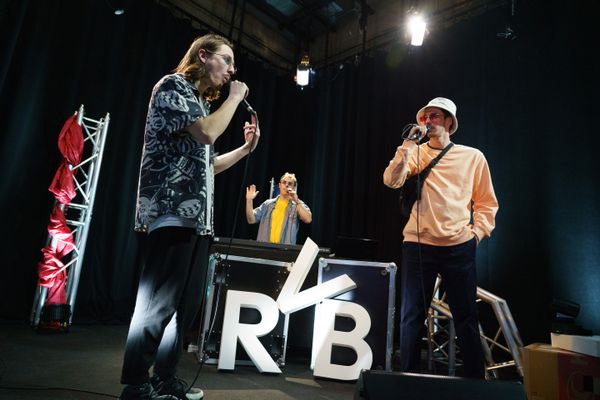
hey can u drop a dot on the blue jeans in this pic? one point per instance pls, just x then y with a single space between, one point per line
420 266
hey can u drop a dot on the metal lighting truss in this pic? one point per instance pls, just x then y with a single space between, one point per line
78 213
441 334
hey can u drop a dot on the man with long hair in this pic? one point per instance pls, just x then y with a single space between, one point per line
175 208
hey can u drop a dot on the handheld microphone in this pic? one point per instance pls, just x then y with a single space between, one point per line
248 107
416 135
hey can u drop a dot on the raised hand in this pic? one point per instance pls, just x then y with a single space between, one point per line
251 135
251 192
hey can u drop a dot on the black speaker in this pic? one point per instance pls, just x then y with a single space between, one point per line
380 385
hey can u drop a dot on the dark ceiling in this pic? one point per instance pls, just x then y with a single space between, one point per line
281 31
307 19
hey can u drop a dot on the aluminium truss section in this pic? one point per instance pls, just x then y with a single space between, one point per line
78 212
441 335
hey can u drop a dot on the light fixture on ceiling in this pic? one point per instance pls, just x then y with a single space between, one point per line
416 28
304 72
117 6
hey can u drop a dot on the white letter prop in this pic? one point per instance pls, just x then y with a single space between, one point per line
325 337
247 333
290 298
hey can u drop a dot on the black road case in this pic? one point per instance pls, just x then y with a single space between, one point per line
243 274
375 291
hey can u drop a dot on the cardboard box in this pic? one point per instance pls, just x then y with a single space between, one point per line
551 373
589 345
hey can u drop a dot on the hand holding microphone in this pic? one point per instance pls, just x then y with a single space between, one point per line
411 136
416 132
292 193
238 90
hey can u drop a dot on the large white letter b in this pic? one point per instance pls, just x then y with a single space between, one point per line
325 337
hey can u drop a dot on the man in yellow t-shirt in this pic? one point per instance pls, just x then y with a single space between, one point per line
278 217
456 211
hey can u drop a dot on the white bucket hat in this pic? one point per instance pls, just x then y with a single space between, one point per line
444 104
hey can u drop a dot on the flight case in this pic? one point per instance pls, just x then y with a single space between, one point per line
375 291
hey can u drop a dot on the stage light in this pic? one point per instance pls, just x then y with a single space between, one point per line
416 28
304 72
302 75
117 6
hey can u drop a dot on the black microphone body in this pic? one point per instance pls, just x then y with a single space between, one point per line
248 107
417 134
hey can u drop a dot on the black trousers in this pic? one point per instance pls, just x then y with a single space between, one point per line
170 292
420 267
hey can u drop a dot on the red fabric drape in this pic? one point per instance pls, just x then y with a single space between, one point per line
62 186
60 231
52 275
57 294
70 141
51 270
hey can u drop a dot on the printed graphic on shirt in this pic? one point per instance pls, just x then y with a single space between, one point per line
176 170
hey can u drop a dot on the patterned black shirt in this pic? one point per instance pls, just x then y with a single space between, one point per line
176 173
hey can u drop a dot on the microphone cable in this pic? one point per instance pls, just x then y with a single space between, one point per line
407 136
220 280
418 220
419 192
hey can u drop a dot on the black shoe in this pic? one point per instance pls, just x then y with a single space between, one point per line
176 387
143 392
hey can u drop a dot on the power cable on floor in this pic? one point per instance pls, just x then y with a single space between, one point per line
58 388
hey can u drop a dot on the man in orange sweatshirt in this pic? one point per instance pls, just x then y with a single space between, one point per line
456 211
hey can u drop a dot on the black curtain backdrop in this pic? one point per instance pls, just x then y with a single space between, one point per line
529 104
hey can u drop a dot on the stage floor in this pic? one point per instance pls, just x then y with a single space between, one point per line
85 364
